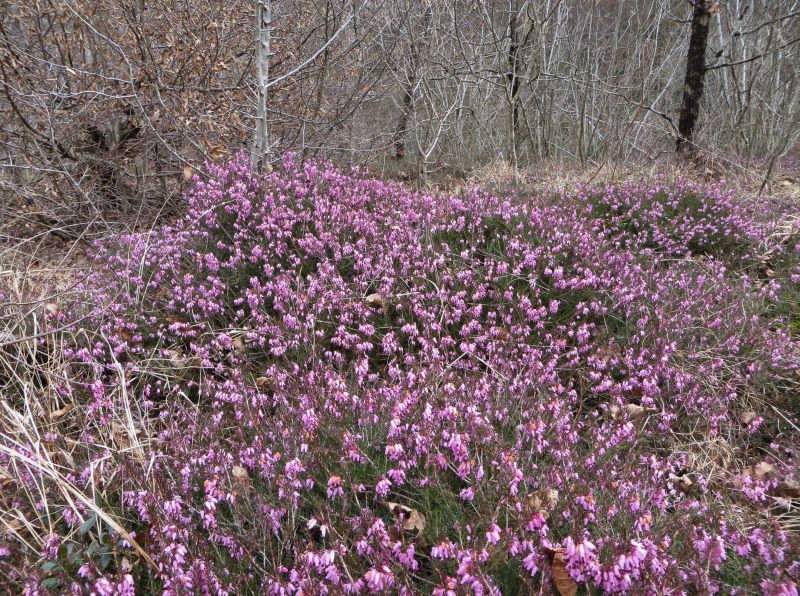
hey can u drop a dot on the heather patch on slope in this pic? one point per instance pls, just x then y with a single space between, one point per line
324 383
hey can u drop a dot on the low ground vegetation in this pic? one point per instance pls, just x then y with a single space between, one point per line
317 382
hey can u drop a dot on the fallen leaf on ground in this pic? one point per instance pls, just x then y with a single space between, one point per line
747 417
684 482
633 411
264 383
542 501
239 345
120 434
59 414
375 300
764 471
565 585
414 520
789 488
240 475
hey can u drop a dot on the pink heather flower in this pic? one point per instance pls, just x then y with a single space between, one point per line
50 547
356 587
173 506
498 336
103 587
335 487
126 587
493 535
769 588
379 580
582 561
448 588
382 488
394 452
443 550
530 564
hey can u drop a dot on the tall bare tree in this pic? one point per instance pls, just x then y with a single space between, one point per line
261 147
695 74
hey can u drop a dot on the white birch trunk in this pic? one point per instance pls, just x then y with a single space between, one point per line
260 153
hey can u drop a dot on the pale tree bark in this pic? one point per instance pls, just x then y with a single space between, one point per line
260 154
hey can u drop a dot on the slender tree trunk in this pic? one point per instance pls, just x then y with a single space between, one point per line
401 128
695 75
513 77
260 153
323 73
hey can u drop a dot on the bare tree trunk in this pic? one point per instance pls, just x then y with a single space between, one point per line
259 156
410 84
514 79
401 129
695 75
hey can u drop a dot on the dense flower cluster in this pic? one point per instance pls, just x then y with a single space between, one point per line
318 382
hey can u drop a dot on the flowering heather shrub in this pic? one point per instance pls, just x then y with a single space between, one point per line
323 383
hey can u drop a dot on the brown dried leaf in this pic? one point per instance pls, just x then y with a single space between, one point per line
183 363
565 585
616 413
59 456
376 301
609 351
397 508
126 565
12 521
635 411
58 414
239 345
188 172
764 471
632 411
176 359
789 488
123 335
264 383
413 519
120 435
542 501
747 417
684 482
240 475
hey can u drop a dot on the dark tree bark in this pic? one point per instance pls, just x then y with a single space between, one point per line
695 75
514 80
401 128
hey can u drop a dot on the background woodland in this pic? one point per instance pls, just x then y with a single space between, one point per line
107 108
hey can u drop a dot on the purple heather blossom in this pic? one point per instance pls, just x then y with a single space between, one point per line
347 342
